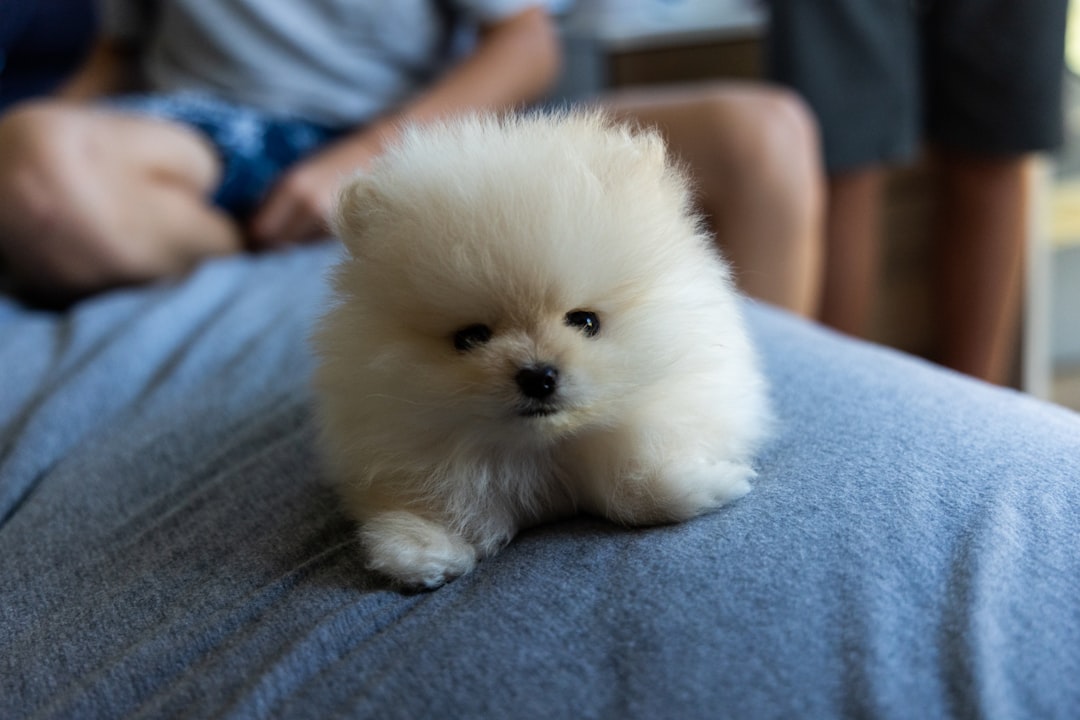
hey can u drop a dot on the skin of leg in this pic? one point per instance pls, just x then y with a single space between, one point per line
753 152
91 199
852 248
981 232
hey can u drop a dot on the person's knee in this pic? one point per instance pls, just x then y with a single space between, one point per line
774 137
35 166
773 153
785 112
52 230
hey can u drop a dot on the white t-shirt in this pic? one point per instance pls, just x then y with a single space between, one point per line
335 62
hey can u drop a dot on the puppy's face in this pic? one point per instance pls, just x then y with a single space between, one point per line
534 376
519 289
485 353
542 385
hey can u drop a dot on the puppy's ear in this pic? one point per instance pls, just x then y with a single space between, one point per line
641 153
646 148
356 202
652 148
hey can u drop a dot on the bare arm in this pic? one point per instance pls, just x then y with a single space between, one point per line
515 62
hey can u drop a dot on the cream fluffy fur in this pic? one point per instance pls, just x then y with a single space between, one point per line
439 451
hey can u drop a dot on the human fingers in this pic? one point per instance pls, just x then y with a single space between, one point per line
296 209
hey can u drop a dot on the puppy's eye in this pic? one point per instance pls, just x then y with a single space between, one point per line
472 336
584 320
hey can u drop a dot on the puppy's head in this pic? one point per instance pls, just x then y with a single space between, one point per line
520 279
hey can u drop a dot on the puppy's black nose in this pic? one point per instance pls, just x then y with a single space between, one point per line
538 382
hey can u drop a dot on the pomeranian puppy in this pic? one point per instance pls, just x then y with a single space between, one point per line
530 322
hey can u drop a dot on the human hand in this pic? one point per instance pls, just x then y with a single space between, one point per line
299 204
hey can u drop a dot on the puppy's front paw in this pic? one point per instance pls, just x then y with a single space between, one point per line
677 491
703 484
415 552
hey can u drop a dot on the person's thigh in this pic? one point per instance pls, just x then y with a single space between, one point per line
110 141
78 153
719 124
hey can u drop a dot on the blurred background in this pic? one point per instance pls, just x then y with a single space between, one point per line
620 43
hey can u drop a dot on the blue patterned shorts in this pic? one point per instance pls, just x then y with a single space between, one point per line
255 148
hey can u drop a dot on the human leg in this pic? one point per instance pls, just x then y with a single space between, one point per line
994 100
982 231
752 151
855 63
852 248
91 199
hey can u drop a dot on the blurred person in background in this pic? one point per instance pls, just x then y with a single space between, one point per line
200 129
980 80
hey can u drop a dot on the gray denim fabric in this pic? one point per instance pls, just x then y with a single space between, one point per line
169 546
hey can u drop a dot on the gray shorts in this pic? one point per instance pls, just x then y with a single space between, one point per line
982 76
